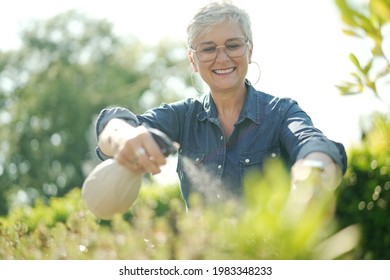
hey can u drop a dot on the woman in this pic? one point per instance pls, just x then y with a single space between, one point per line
226 132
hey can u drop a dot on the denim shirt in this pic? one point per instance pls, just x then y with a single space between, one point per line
268 127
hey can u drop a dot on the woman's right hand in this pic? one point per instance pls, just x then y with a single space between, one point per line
132 147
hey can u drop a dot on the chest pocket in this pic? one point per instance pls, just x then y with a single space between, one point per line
254 161
189 157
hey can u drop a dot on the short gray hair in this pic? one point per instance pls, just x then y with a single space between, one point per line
215 13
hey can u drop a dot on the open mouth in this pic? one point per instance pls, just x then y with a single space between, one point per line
224 71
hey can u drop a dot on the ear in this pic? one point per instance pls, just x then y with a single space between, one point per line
250 52
190 55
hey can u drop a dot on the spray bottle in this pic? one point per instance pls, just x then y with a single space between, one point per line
111 188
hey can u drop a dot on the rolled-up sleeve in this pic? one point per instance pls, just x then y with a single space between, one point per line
303 138
333 149
112 113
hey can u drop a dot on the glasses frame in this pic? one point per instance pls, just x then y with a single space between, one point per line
246 41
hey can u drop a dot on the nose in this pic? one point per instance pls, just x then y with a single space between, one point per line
221 54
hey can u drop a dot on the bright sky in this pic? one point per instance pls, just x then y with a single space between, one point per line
298 45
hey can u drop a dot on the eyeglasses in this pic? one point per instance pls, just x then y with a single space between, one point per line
234 48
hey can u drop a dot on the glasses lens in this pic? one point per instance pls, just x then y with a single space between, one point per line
235 47
208 51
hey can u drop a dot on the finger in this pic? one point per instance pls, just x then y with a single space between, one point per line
142 162
149 165
177 145
145 161
131 163
132 166
300 172
153 150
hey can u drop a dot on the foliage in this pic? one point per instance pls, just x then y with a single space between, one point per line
369 22
364 196
270 223
68 69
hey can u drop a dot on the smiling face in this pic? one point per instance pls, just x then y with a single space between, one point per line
224 73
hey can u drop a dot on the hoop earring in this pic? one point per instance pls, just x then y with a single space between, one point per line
194 85
247 81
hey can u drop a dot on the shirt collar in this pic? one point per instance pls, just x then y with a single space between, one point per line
209 109
251 109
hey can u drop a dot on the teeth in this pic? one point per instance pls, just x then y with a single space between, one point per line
224 71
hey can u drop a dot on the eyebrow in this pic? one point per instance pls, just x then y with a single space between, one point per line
212 42
208 42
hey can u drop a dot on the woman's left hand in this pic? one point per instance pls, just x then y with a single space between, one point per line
328 173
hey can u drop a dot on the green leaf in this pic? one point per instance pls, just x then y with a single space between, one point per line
377 50
353 33
358 79
355 61
347 14
381 8
366 24
345 88
367 68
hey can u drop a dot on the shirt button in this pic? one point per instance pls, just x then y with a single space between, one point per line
247 160
221 137
219 166
273 155
197 159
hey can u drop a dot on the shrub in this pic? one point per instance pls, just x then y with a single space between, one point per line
269 223
364 196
